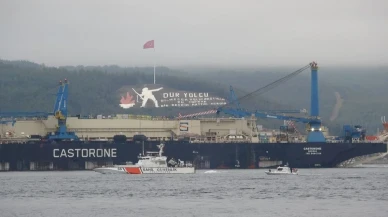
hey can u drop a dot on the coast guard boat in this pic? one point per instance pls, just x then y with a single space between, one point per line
151 163
285 170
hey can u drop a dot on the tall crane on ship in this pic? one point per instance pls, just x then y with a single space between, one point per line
314 124
60 113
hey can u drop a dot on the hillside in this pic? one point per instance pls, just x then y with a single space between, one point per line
27 86
31 87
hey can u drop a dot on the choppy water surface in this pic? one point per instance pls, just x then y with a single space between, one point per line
315 192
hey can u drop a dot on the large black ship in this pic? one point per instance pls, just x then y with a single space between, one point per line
37 155
231 142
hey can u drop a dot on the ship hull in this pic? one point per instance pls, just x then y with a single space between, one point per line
277 174
80 155
134 170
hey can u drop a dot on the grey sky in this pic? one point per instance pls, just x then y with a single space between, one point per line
195 32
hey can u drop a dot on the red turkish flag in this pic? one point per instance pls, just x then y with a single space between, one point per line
149 44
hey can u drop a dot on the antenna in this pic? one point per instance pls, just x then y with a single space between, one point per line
161 146
143 147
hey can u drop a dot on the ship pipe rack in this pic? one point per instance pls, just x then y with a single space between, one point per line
315 133
11 117
24 114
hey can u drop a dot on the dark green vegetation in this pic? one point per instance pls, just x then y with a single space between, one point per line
26 86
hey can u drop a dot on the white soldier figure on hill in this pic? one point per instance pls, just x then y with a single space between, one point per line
147 94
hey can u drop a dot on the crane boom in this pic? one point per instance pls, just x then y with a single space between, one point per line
272 85
314 123
242 113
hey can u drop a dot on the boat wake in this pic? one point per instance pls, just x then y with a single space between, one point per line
212 171
373 165
310 174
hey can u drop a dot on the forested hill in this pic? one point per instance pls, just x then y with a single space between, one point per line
27 86
361 99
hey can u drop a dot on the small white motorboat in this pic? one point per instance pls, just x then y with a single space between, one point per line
284 170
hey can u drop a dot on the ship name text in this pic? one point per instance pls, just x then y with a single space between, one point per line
313 150
84 153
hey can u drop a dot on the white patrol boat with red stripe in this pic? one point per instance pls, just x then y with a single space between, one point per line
151 163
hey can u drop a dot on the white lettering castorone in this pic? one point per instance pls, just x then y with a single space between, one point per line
313 150
99 152
92 152
84 153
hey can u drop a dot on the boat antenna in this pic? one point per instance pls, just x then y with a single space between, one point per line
143 147
161 146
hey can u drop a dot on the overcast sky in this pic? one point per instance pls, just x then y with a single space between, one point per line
195 32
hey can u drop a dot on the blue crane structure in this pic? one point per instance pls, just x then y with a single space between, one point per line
313 122
60 113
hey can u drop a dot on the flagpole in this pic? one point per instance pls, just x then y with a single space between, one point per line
150 44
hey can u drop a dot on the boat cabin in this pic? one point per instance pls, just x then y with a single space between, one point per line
152 159
283 169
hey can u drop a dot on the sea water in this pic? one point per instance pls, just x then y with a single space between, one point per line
314 192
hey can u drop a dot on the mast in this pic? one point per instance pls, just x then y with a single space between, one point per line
143 147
